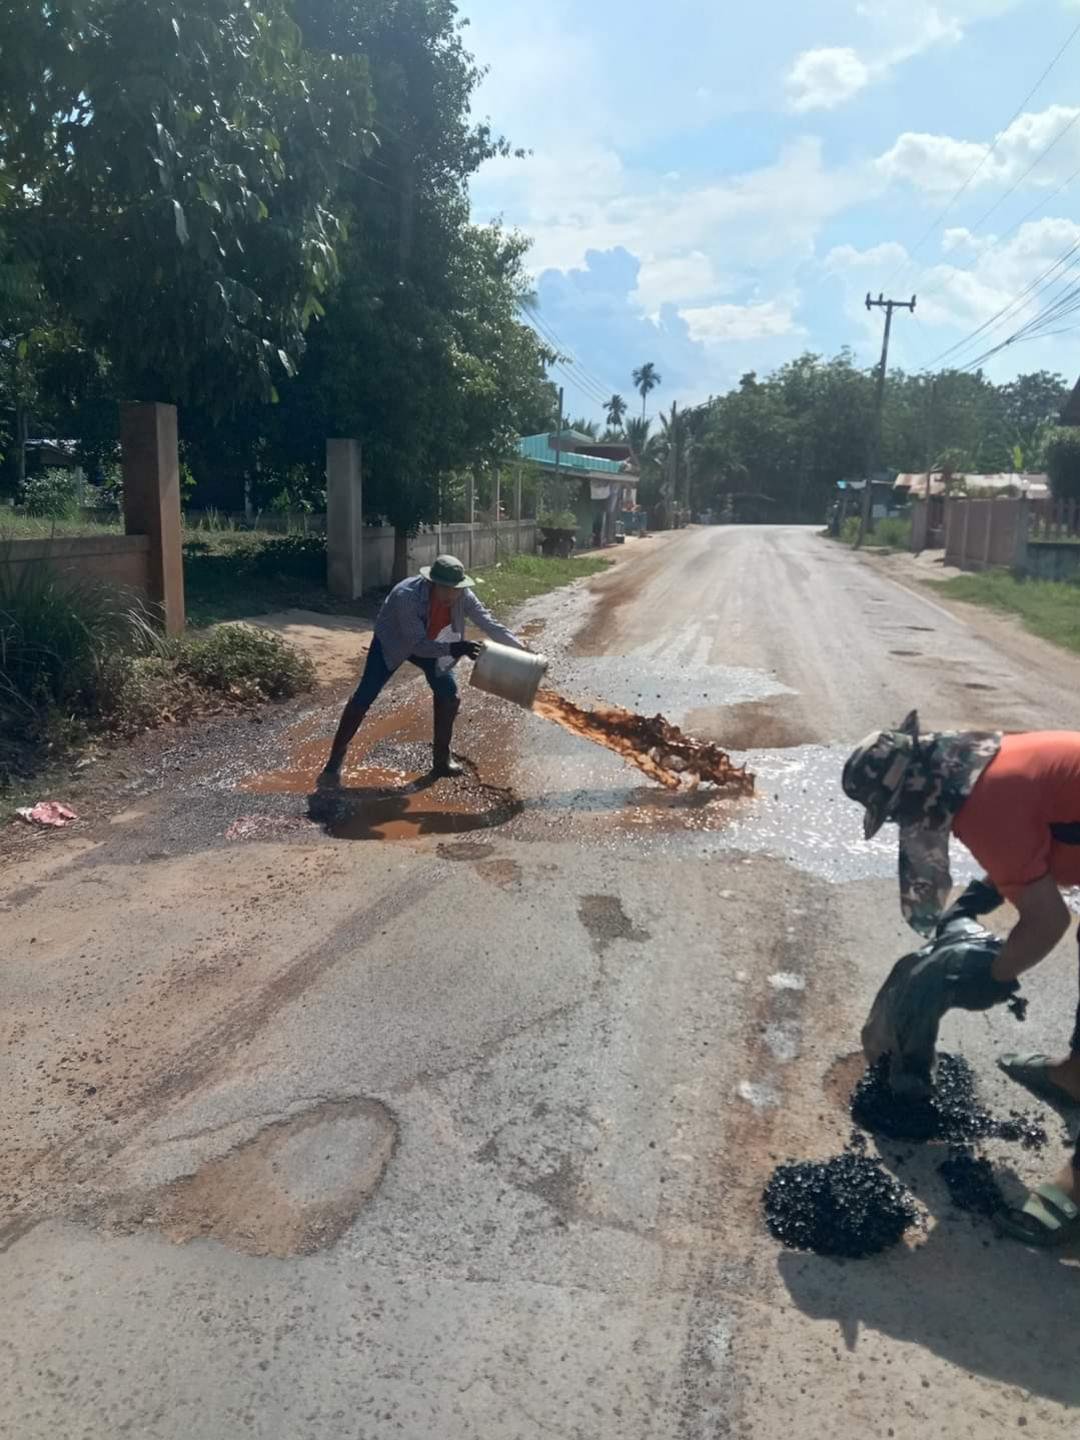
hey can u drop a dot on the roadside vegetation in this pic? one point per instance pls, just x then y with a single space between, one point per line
892 533
1047 608
79 661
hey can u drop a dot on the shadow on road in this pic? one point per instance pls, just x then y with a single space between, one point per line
425 806
990 1306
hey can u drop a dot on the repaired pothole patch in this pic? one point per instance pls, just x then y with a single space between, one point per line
294 1188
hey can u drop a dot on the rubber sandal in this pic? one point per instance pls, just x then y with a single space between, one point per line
1030 1071
1048 1219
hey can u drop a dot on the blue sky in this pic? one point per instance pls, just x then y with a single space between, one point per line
715 188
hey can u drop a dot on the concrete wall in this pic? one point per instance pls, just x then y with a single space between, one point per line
119 560
1053 560
475 547
982 534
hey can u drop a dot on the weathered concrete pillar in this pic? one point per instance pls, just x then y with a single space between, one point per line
517 509
344 520
1020 539
151 467
470 515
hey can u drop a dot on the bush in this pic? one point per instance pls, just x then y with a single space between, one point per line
246 663
894 531
65 647
558 520
1063 463
299 557
52 493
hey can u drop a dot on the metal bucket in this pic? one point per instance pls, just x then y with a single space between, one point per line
513 675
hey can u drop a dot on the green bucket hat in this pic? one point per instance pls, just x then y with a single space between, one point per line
449 571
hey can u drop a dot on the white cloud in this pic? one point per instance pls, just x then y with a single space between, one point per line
822 79
828 76
940 163
955 301
716 323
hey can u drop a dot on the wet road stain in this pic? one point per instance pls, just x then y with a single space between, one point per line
292 1190
506 874
469 850
606 921
423 807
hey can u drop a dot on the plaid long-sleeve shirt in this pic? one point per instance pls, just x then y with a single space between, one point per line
402 623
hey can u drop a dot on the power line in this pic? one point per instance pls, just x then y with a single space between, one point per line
581 373
999 240
1000 316
990 151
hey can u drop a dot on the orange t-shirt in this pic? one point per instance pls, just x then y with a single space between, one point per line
439 613
1022 820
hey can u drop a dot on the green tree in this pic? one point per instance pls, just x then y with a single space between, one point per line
170 167
615 409
1063 463
645 381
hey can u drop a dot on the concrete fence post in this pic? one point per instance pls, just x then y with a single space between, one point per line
344 520
517 509
1020 539
470 513
966 505
151 466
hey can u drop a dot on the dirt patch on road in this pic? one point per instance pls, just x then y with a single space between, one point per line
294 1189
753 725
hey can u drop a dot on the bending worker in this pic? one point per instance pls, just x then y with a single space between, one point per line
1014 802
422 620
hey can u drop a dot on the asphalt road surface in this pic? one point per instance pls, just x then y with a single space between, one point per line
461 1133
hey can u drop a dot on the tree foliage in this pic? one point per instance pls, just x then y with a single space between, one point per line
792 435
260 213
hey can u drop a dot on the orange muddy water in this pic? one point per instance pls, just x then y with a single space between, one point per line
653 744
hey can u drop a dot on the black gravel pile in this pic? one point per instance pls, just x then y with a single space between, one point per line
1018 1005
971 1183
953 1112
849 1205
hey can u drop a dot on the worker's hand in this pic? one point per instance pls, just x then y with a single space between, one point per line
975 988
465 650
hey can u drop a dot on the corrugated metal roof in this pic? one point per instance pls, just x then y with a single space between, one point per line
538 448
1037 486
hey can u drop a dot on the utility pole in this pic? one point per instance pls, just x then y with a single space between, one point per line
558 440
675 453
874 461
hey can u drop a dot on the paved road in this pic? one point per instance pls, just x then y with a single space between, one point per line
462 1136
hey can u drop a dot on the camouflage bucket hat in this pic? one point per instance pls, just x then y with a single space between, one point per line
920 781
876 770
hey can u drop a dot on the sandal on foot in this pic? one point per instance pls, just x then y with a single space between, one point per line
1048 1219
1030 1071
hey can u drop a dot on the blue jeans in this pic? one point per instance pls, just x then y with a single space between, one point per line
377 673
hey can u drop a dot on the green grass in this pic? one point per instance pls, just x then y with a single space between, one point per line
519 578
1048 608
46 527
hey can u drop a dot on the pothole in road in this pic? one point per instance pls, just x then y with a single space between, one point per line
752 725
907 654
293 1189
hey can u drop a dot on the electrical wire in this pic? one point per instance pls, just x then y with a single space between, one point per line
991 149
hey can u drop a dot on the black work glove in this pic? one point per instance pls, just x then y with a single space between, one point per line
974 988
464 649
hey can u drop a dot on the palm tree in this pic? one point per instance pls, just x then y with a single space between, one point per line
616 409
645 379
637 436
